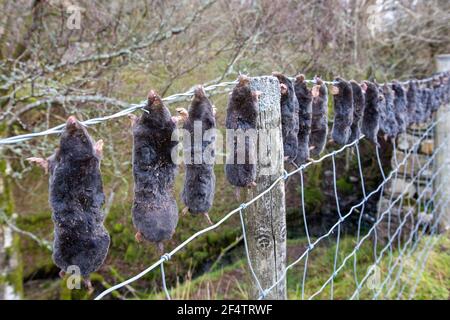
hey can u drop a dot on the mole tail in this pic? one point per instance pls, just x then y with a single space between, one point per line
160 247
89 287
237 193
208 218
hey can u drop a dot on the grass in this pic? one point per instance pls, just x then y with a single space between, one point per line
189 271
233 281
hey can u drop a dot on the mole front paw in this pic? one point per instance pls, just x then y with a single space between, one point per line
138 236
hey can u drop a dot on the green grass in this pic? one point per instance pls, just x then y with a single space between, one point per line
433 283
186 270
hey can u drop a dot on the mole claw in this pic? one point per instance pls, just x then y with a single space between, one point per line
43 163
133 119
251 184
138 237
184 211
98 148
208 218
334 90
89 286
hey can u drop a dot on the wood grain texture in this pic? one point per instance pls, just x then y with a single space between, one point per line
266 218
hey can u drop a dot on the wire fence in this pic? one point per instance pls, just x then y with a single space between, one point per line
398 251
413 239
225 87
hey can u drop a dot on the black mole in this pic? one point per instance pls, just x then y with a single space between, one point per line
435 99
412 100
154 212
382 110
242 113
401 115
289 116
421 105
371 117
76 198
304 97
200 181
319 123
358 110
343 111
427 103
390 122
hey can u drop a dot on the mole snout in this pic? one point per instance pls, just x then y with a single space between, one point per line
343 111
319 121
200 91
200 180
72 124
289 106
155 211
80 238
71 121
242 113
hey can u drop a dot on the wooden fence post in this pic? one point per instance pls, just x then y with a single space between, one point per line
266 218
441 133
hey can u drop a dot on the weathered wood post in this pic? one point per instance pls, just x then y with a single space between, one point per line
266 218
441 133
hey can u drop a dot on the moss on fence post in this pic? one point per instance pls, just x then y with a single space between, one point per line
11 280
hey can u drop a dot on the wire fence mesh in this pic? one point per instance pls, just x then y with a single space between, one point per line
411 224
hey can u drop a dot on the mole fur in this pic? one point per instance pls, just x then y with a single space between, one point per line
439 89
242 113
358 109
371 116
412 99
154 212
76 198
343 112
446 84
427 102
319 123
390 125
421 105
200 181
435 99
304 97
289 116
445 88
401 115
382 110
